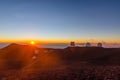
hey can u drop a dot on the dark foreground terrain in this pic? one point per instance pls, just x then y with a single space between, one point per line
25 62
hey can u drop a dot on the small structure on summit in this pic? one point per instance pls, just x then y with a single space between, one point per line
72 44
99 45
88 44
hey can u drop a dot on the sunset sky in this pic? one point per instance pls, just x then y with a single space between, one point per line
60 20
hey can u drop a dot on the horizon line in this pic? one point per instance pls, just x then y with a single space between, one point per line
59 41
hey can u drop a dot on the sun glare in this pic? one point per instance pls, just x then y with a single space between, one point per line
32 42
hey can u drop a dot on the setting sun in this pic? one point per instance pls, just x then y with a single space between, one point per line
32 42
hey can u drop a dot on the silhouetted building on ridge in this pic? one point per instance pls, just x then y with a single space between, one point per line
99 45
72 44
88 44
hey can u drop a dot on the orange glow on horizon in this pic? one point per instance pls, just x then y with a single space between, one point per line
66 41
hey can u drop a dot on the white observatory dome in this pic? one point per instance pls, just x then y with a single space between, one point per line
99 44
88 44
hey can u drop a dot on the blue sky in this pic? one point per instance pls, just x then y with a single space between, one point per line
60 20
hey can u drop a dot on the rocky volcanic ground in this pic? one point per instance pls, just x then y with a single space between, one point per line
25 62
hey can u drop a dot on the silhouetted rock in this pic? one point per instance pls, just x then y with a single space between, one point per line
16 56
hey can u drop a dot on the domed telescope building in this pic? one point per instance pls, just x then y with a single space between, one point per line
99 45
88 44
72 44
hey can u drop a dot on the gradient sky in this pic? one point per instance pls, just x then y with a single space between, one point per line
65 20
